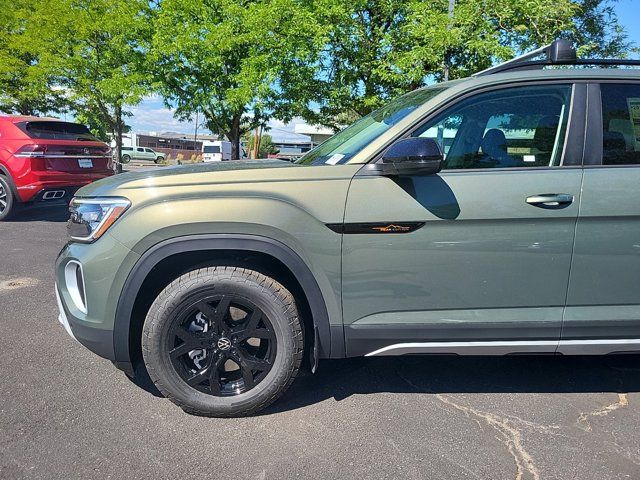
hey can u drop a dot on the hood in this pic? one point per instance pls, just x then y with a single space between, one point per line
194 174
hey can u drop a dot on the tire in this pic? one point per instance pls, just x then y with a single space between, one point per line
159 159
206 319
7 199
126 158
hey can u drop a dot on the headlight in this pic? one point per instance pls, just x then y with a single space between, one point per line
91 217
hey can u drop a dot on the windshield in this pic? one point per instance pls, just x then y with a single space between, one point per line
344 145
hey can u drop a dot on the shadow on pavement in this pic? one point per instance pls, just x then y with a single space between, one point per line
340 379
428 375
58 212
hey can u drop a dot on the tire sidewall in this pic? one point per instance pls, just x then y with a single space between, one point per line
7 212
161 316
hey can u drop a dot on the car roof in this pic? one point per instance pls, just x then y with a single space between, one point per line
27 118
572 73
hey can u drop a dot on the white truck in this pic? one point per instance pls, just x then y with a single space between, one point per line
216 151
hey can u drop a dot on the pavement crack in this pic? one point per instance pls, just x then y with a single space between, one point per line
583 418
512 437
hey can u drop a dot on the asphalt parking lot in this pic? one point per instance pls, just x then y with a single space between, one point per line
65 413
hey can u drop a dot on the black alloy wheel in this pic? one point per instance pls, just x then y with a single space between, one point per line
223 341
222 345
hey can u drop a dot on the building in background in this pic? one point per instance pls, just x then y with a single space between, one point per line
316 134
169 143
290 149
291 145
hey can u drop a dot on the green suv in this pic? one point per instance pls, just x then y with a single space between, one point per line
498 214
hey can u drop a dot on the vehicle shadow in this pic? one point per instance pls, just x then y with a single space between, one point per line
428 375
58 212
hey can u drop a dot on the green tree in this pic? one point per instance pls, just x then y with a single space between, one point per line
25 87
96 50
265 148
379 49
225 59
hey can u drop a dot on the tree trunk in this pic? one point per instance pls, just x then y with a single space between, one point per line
234 137
118 134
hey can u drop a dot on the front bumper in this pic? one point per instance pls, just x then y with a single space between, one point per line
98 341
105 265
62 315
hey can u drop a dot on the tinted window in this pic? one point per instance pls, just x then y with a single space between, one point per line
514 127
211 149
127 148
148 150
621 124
56 130
140 149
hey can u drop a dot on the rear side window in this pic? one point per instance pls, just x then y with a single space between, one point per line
56 130
621 124
140 149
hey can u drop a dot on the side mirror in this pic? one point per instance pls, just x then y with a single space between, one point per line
412 156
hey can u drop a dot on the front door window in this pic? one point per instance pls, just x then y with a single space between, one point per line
513 127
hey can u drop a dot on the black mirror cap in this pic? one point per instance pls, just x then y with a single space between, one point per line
412 156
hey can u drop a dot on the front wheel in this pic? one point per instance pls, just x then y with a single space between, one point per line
7 200
223 341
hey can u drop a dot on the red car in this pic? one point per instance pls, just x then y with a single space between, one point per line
46 160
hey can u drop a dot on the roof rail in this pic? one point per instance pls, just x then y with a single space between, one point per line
560 52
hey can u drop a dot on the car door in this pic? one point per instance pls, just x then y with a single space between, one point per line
476 258
149 154
603 301
140 155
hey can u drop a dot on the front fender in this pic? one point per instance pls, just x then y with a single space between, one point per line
286 218
331 338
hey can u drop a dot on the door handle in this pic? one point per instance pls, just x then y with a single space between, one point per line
550 200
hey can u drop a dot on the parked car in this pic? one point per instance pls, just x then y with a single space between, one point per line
141 153
493 215
46 160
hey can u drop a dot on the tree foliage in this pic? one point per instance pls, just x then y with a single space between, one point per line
378 49
240 64
25 87
223 58
93 51
265 148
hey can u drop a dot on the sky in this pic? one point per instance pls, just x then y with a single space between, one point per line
151 115
629 16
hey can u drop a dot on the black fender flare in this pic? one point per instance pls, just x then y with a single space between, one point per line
329 346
